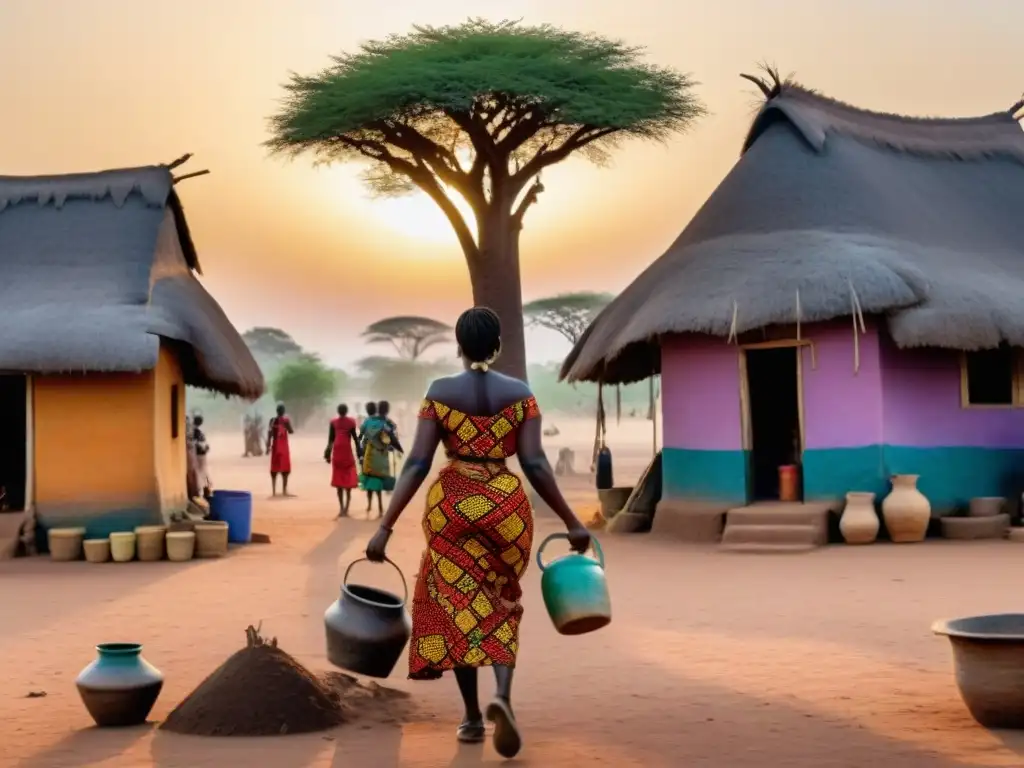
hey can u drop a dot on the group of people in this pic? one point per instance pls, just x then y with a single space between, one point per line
376 446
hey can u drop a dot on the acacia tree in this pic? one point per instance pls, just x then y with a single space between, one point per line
567 313
272 342
305 385
410 336
480 109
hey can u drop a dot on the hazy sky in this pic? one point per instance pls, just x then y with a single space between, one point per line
93 84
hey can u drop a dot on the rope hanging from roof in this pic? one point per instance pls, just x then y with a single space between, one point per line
858 325
732 327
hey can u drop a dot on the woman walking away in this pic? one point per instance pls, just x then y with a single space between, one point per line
279 450
478 525
378 440
341 437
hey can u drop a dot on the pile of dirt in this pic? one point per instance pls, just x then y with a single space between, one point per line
369 701
258 691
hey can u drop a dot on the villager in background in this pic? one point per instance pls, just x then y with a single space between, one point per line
279 450
202 448
192 484
378 440
478 526
341 439
252 434
257 434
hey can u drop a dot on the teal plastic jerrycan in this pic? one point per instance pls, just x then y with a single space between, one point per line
575 589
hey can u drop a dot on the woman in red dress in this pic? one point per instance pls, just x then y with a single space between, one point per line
280 453
341 437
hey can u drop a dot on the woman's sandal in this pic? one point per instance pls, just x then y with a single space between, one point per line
471 732
507 741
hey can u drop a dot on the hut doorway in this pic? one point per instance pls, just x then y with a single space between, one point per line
13 443
773 399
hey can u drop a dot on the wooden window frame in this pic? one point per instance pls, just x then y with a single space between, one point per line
1018 385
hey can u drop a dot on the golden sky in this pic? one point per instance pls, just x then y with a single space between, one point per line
92 84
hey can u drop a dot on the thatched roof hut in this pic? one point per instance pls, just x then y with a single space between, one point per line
91 280
833 210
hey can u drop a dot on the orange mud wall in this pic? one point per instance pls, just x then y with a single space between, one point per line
104 455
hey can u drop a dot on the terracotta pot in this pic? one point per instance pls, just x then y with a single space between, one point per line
149 542
906 510
211 538
96 550
859 523
986 506
181 545
65 543
122 546
120 687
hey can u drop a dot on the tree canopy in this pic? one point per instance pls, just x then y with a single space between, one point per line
567 313
410 336
305 385
480 109
272 342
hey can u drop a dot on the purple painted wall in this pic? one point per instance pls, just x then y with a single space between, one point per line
842 408
700 383
921 402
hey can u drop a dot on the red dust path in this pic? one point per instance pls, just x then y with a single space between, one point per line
712 659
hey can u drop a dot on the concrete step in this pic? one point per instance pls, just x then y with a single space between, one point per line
767 549
779 514
771 534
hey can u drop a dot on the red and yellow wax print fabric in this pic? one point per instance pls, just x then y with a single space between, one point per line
479 530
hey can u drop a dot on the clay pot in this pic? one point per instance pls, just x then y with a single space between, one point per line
986 506
149 542
65 543
859 523
96 550
906 510
211 538
181 545
122 546
988 658
120 687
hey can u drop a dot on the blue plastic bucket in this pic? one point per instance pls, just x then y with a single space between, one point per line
235 509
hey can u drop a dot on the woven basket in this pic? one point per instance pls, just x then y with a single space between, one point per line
122 546
66 543
181 545
211 538
96 550
149 543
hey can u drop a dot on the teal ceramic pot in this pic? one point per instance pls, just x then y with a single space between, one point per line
575 590
367 628
120 687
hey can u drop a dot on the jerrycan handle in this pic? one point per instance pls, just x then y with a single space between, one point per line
594 544
405 584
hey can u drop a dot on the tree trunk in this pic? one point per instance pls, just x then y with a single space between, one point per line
495 277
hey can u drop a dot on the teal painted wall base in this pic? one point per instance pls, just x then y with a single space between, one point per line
97 526
706 475
950 476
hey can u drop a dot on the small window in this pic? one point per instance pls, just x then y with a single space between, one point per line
990 376
174 412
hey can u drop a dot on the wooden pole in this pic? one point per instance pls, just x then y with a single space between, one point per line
654 420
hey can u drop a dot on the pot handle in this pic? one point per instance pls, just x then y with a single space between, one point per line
594 544
405 584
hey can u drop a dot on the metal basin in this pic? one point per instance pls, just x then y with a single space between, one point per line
988 658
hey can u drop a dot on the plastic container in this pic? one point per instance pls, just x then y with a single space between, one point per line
149 543
235 509
181 545
65 543
789 476
211 538
96 550
575 589
122 546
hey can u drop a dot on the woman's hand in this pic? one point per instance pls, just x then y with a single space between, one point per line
378 544
579 537
327 455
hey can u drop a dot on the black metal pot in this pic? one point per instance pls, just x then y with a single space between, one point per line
367 628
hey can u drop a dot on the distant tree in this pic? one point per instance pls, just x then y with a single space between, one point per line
304 385
400 379
568 313
480 109
272 342
410 336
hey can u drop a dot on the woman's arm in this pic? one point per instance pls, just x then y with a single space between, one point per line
414 472
330 443
540 475
395 444
355 442
288 426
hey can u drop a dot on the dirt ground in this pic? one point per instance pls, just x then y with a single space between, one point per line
808 661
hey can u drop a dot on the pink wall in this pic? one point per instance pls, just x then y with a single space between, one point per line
921 390
700 383
842 408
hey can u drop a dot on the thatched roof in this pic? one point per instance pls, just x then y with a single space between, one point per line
918 220
96 268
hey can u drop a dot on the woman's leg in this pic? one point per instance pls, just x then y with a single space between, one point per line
471 729
341 503
369 502
507 741
346 501
380 504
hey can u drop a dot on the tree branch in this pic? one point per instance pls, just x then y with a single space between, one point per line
545 157
176 179
529 199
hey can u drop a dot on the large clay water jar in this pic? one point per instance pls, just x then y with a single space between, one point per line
859 523
575 590
120 687
906 510
367 628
